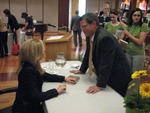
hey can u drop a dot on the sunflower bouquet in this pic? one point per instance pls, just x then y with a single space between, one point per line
138 94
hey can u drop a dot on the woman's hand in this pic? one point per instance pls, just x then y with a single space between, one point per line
61 88
71 80
127 33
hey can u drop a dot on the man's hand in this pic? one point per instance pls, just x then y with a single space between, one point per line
94 89
75 71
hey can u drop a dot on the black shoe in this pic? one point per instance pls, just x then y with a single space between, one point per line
6 55
2 56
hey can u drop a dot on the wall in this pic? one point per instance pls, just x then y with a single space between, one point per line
51 13
56 12
74 6
41 10
96 5
3 4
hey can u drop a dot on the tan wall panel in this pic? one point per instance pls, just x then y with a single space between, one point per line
92 6
74 6
17 7
3 5
51 13
34 8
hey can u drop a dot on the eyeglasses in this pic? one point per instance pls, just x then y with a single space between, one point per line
83 26
136 15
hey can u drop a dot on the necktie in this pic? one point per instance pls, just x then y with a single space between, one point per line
90 57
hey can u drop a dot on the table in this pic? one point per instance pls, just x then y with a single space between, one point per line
76 100
58 45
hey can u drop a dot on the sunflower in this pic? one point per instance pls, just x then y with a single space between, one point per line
143 73
138 74
145 90
138 96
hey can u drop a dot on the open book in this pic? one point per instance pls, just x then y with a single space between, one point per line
124 44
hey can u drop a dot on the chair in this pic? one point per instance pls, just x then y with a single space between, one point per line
5 91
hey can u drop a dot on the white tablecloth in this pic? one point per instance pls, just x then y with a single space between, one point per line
76 100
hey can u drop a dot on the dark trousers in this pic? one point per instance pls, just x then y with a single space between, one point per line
75 33
3 43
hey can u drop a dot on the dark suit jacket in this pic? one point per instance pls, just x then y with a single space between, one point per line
29 95
109 61
102 21
75 23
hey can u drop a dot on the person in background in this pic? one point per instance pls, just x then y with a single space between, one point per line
104 15
29 96
120 17
75 27
109 61
136 32
148 16
14 26
102 12
29 26
96 13
114 25
3 39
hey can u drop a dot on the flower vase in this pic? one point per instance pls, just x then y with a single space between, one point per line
128 110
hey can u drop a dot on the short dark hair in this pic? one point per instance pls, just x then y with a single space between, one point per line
6 11
77 12
24 15
90 17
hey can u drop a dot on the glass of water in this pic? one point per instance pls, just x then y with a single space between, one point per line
60 59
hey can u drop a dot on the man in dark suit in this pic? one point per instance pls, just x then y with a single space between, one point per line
75 27
109 61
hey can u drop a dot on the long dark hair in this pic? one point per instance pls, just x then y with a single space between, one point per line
130 20
113 11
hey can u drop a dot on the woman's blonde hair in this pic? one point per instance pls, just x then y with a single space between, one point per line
32 52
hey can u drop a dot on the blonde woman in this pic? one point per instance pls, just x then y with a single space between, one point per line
29 96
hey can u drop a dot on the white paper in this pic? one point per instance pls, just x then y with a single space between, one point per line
55 37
